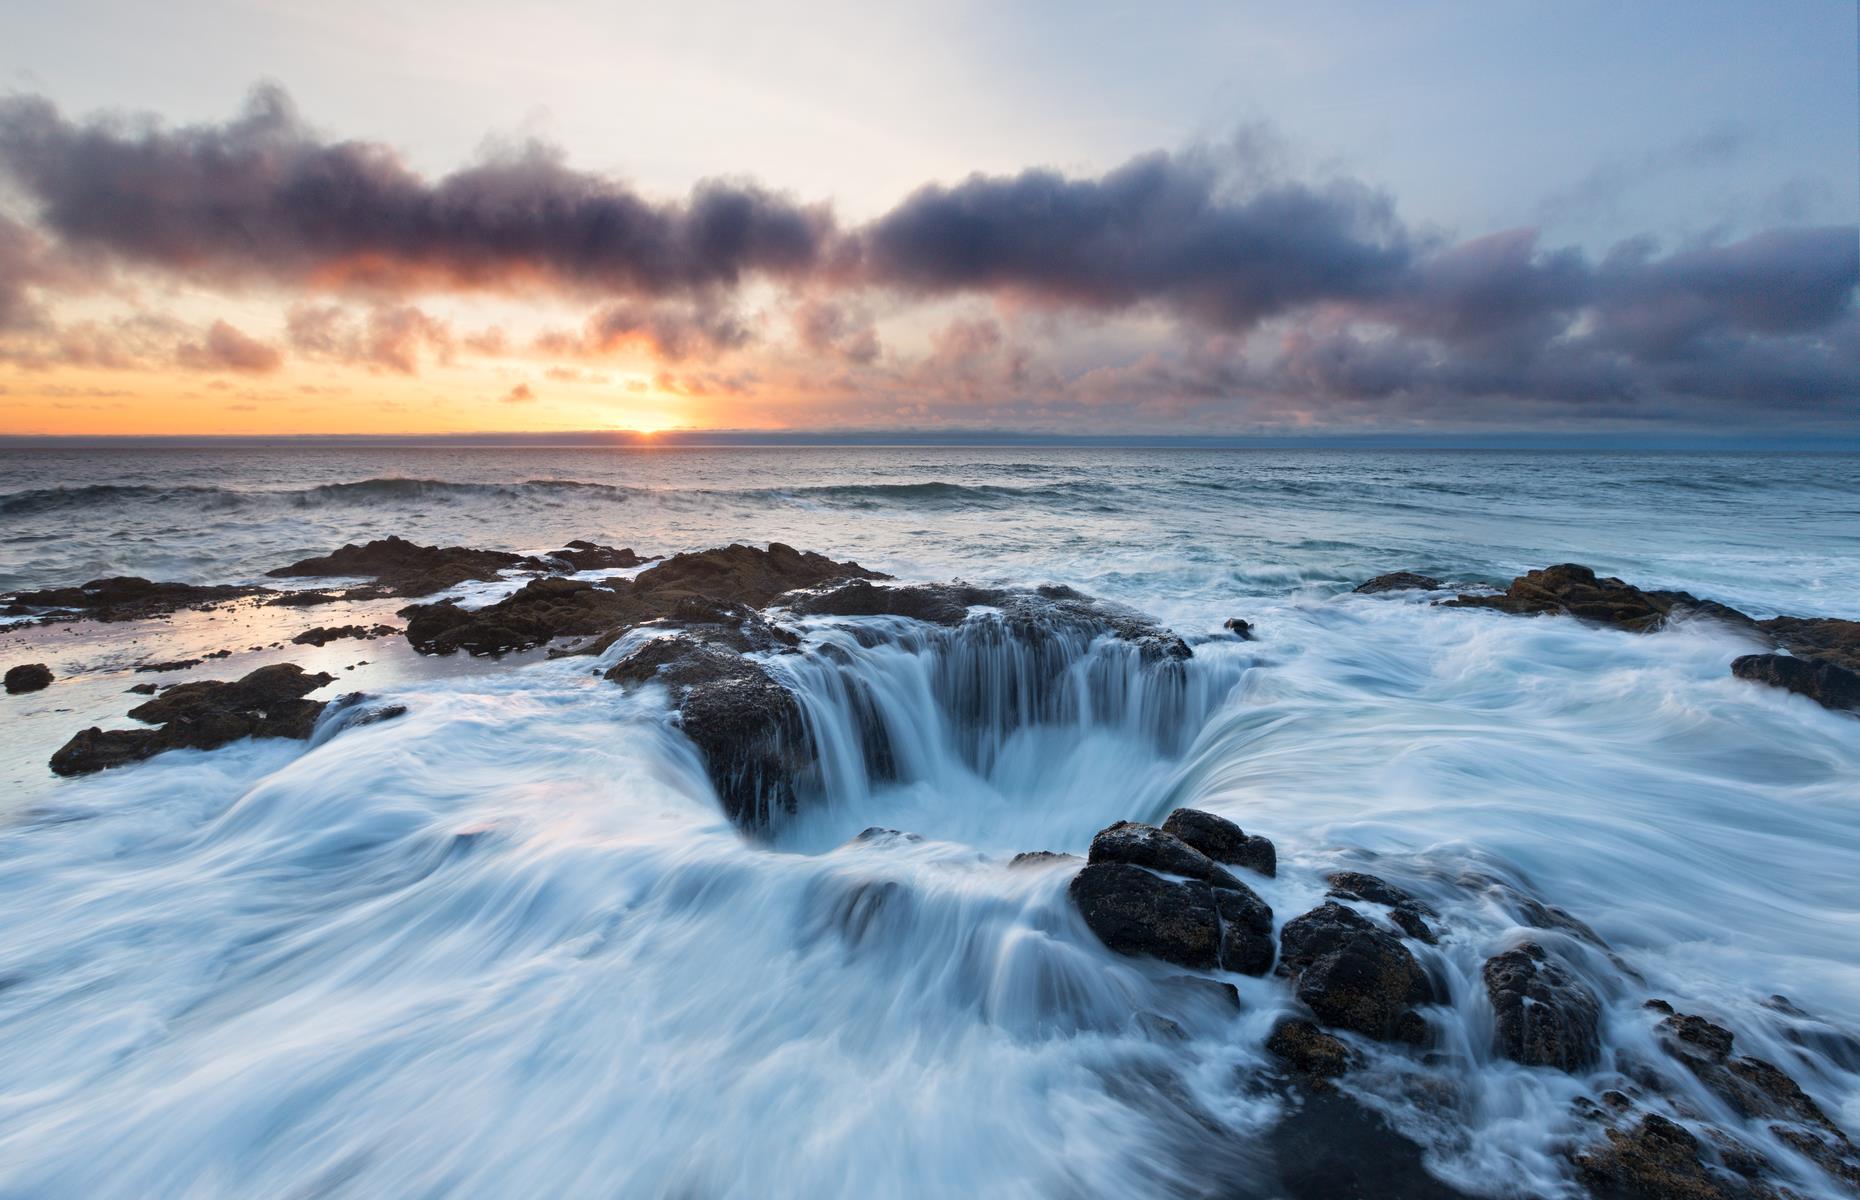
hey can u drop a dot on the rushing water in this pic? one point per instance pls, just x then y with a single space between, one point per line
508 944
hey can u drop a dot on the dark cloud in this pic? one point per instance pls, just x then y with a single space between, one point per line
826 328
1200 233
225 348
262 197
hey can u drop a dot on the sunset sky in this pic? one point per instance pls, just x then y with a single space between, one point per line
1220 219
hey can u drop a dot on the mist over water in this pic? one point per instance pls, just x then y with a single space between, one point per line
510 945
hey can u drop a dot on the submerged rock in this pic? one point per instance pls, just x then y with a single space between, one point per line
1222 840
1826 683
28 677
1657 1159
1328 1146
122 598
1546 1017
1239 628
1577 591
581 555
1398 581
1308 1050
1354 975
202 715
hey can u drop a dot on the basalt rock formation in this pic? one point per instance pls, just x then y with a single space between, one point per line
1353 975
121 598
28 677
1204 918
202 715
403 568
1577 591
1546 1017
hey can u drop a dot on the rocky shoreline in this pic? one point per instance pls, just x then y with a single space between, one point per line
1359 973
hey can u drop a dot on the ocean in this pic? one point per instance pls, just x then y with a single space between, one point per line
509 944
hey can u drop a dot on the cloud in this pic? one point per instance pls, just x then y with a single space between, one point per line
521 394
1207 234
827 328
387 338
262 198
225 348
668 333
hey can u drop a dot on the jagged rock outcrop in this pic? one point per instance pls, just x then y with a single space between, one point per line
1826 683
1308 1050
1407 912
1658 1159
1577 591
546 609
403 568
581 555
202 715
1398 581
1545 1016
1204 919
121 598
1353 975
1222 840
28 677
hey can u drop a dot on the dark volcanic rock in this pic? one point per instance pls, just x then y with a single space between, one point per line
28 677
1657 1159
539 611
1408 912
1826 683
323 635
202 715
122 598
1576 590
747 726
1399 581
1354 975
934 603
1755 1088
1827 639
403 568
1222 840
1305 1048
1147 846
1330 1147
1136 912
1240 629
1040 858
687 587
1546 1017
581 555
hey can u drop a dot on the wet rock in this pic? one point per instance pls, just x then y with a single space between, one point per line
1040 858
143 689
1577 591
307 598
1222 840
121 598
1147 846
1330 1147
1240 629
1243 921
538 612
580 555
202 715
1406 911
933 603
172 664
1753 1087
1399 581
1305 1048
1546 1017
1354 975
748 727
403 568
27 677
323 635
1657 1159
1827 639
1134 911
1826 683
687 588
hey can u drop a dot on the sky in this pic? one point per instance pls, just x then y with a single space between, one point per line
1233 219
